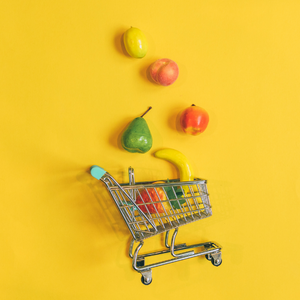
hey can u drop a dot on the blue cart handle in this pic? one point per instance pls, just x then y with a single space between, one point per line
97 172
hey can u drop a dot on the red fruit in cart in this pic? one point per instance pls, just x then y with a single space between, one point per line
152 197
194 120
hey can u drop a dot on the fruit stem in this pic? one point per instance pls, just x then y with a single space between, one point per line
146 111
193 105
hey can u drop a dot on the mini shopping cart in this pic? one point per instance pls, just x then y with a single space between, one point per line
151 208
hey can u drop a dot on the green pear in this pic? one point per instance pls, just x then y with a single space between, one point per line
137 137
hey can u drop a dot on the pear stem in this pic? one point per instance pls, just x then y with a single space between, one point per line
146 111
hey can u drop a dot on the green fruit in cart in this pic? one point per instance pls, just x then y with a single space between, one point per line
135 42
137 137
175 197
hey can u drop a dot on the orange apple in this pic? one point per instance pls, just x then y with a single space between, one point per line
194 120
154 199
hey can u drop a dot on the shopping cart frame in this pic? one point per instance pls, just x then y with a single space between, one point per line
192 205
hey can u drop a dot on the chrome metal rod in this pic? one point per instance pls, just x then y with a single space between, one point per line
162 263
210 249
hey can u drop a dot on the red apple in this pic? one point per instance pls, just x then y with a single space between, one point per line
153 198
194 120
164 71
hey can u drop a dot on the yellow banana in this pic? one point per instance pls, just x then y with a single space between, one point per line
180 161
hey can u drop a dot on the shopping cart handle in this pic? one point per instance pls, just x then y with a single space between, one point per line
97 172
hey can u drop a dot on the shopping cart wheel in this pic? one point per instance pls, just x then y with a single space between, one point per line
208 257
146 277
146 282
214 258
216 262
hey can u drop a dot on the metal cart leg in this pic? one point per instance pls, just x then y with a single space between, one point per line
174 247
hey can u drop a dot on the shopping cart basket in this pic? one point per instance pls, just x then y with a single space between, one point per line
151 208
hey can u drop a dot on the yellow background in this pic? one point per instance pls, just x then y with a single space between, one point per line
67 91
